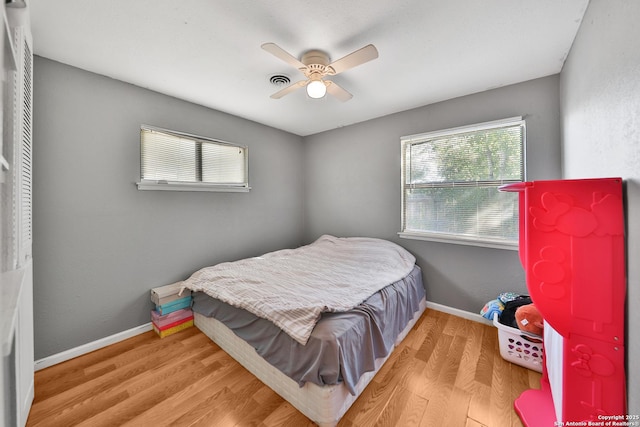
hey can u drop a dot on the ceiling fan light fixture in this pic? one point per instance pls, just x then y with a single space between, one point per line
316 89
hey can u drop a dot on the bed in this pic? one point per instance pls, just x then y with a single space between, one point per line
318 352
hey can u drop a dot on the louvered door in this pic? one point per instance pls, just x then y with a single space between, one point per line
22 218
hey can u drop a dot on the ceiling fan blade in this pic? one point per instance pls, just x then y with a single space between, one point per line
354 59
287 90
278 52
337 91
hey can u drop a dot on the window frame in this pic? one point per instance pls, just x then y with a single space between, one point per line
454 238
168 185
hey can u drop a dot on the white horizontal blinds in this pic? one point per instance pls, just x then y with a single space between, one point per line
179 158
167 157
451 177
480 212
223 164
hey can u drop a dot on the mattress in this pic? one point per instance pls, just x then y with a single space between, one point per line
324 405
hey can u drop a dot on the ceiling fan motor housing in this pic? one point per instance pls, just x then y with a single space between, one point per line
315 57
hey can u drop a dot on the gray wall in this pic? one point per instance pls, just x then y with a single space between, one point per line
353 185
100 244
600 106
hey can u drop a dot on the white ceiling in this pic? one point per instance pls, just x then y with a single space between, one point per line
208 51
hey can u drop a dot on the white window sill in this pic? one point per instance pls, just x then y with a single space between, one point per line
460 240
180 186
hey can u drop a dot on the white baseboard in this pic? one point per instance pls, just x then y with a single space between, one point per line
89 347
121 336
460 313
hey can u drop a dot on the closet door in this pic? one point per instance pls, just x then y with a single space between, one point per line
16 219
23 101
8 63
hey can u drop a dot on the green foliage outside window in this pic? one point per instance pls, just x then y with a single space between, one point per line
450 181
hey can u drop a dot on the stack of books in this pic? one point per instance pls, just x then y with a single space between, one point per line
173 309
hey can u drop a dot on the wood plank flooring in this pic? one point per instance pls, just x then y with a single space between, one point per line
447 372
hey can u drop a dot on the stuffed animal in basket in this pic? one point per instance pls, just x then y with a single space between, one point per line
529 319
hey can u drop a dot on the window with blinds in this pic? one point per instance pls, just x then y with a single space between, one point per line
450 183
172 160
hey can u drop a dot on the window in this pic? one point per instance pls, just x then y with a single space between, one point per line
450 183
172 160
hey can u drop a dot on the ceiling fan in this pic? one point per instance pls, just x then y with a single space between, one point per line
316 65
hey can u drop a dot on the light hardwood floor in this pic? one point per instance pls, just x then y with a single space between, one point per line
447 372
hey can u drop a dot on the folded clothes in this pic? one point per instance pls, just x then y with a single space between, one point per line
505 297
494 306
174 305
162 320
174 329
165 291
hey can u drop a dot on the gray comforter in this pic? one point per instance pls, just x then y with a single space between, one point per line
342 346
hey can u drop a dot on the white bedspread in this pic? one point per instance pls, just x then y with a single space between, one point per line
292 287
